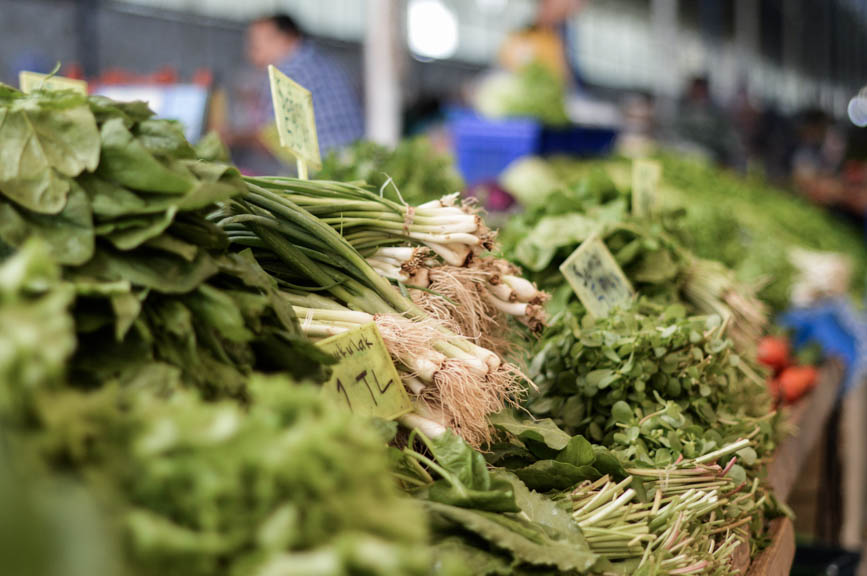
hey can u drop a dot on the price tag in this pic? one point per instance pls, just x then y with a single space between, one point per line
364 378
646 175
596 278
30 81
296 124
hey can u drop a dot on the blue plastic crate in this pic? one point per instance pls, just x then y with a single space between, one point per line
485 147
577 141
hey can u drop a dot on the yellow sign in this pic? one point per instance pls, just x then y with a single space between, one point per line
30 81
596 278
646 175
296 124
364 378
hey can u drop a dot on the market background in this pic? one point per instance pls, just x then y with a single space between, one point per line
792 65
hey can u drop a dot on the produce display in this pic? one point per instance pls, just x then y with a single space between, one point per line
160 318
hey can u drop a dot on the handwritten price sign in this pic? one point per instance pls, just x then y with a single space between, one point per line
30 81
364 378
646 175
293 113
596 278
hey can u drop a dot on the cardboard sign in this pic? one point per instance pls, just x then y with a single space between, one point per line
596 278
646 175
30 81
364 380
296 124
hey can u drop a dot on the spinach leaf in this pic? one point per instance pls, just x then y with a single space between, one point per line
45 141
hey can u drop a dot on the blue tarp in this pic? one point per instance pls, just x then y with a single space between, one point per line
839 329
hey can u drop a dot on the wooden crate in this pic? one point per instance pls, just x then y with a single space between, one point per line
807 418
777 558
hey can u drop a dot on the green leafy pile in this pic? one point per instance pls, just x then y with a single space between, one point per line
289 485
652 385
159 481
490 522
650 251
532 92
121 201
543 237
414 166
38 335
743 222
751 225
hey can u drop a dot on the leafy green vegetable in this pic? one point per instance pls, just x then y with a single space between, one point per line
45 140
651 384
534 91
127 161
414 167
294 478
38 334
528 542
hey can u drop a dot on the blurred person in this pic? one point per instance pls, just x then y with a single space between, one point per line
547 41
278 40
746 116
811 156
701 123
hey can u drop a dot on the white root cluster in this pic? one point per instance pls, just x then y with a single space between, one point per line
473 298
450 362
455 383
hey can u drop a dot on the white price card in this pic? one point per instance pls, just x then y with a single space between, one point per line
364 379
596 278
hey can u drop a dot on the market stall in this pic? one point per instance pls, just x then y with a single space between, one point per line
357 373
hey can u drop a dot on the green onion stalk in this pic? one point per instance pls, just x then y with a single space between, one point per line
455 381
696 519
438 250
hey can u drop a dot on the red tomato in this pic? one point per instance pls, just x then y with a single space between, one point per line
774 352
795 381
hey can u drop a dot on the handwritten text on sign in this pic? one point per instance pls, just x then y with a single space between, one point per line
293 113
30 81
596 278
646 175
364 378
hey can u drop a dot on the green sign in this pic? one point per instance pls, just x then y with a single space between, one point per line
30 81
365 380
293 113
646 175
596 278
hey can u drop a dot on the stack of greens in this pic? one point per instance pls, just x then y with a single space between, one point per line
652 384
745 223
119 198
531 92
751 226
650 252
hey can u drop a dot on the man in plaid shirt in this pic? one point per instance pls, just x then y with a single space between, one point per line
279 41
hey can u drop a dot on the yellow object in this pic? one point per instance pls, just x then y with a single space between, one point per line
364 379
646 175
540 45
296 124
596 278
30 81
